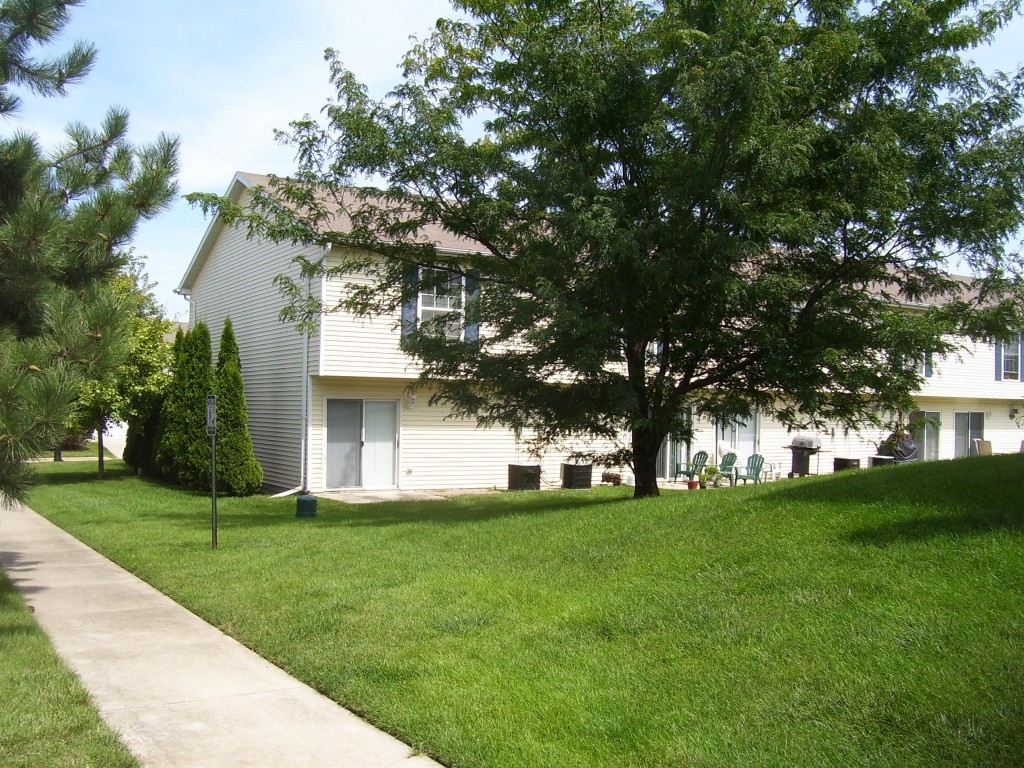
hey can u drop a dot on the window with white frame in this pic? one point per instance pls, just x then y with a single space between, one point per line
441 294
925 366
1011 359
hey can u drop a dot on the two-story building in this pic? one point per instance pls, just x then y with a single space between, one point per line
332 409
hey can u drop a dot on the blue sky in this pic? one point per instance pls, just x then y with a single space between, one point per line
223 74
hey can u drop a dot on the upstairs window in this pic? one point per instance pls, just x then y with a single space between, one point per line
1008 359
925 366
1011 360
442 296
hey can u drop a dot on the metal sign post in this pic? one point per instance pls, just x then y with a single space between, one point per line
211 429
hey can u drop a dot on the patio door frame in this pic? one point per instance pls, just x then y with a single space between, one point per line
728 433
673 452
963 443
927 433
372 444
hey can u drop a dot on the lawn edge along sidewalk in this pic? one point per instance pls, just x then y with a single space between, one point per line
178 691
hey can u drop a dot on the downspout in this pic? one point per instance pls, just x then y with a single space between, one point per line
186 294
304 447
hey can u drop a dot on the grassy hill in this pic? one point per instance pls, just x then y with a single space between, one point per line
871 618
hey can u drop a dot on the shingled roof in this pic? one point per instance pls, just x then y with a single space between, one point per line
243 182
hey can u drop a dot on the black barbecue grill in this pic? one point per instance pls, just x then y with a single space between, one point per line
803 447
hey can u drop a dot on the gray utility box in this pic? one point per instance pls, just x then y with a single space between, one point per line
305 506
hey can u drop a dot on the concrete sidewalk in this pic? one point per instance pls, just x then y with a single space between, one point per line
178 691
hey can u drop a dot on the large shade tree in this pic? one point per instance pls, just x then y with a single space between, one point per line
134 376
66 215
703 207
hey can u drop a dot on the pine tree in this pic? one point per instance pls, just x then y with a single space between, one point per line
184 453
65 218
36 399
238 472
167 444
228 347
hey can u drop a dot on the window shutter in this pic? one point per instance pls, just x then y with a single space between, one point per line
410 286
472 294
999 361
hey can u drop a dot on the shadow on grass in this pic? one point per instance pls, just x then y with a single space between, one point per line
11 602
453 511
920 501
928 528
69 475
906 503
176 505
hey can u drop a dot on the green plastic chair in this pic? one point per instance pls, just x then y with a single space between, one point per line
694 468
753 470
727 465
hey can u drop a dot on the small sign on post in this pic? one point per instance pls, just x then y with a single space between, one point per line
211 430
211 414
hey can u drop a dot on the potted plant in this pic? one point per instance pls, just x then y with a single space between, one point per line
693 484
710 476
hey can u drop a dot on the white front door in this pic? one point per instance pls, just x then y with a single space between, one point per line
362 443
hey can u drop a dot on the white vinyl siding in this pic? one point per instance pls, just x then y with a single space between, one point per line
236 280
357 346
433 452
968 372
362 359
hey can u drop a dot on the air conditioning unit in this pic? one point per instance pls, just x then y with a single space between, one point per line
524 477
577 475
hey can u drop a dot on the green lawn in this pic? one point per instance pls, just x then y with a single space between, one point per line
873 618
46 718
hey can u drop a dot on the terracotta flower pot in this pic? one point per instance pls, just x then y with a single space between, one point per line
693 485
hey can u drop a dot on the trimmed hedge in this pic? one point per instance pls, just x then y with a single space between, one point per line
238 472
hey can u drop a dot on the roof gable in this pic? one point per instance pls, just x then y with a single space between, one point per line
240 184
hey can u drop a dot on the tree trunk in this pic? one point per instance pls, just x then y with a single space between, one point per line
645 471
58 455
99 442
